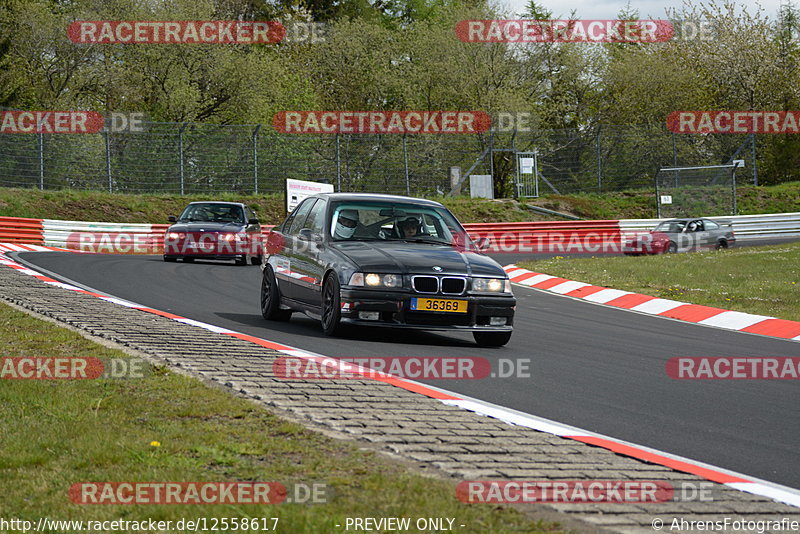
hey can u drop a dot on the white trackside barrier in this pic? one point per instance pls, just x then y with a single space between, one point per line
774 225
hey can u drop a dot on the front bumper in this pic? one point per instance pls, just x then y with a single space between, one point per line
394 310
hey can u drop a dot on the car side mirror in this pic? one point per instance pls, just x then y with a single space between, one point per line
483 243
252 221
306 234
172 219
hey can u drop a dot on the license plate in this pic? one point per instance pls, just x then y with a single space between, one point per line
439 305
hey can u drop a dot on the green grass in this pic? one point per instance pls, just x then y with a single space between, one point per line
56 433
107 207
760 280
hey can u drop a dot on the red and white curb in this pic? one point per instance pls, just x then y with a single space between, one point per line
673 309
715 474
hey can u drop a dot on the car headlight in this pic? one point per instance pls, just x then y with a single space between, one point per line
376 280
233 237
176 235
491 285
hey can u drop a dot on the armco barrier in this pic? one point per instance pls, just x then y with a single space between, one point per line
551 236
19 230
775 225
130 238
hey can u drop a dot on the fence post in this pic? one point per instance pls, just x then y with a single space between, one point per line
405 165
108 161
599 162
41 161
491 155
255 159
755 167
180 153
674 151
338 167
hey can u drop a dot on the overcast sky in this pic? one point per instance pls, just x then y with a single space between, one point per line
608 9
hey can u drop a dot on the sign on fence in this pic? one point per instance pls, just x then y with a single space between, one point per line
297 190
480 186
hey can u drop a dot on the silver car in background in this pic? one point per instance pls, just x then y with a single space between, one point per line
683 235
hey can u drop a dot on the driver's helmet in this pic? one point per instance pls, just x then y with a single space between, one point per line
346 224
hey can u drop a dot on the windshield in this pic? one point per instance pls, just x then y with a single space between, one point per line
367 221
671 227
221 213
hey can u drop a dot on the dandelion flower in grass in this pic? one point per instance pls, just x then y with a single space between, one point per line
155 443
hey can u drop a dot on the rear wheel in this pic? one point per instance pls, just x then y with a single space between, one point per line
271 298
721 244
491 339
331 306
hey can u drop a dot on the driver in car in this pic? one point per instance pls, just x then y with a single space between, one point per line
346 224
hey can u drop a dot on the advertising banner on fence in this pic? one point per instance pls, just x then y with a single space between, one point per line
297 190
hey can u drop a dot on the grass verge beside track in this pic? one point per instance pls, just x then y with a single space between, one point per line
155 208
760 280
54 433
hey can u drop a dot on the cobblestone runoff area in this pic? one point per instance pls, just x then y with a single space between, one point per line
425 433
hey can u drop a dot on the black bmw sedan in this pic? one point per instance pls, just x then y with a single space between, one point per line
214 231
384 260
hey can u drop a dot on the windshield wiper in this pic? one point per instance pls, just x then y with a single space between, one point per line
432 241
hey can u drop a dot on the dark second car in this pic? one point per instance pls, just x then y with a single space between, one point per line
383 260
214 231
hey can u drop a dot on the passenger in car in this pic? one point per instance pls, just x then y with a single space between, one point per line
409 227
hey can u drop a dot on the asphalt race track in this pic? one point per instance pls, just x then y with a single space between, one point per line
593 367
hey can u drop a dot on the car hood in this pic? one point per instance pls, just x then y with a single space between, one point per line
205 227
417 258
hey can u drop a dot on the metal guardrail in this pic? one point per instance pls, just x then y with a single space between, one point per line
765 226
67 234
21 230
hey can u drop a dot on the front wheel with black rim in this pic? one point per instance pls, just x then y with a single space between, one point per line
271 298
491 339
241 260
170 258
672 248
331 306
